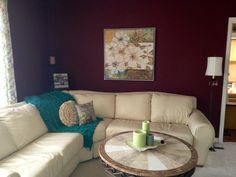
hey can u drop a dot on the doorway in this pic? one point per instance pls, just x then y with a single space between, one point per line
228 104
230 110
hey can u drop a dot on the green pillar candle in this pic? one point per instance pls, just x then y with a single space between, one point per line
139 138
146 126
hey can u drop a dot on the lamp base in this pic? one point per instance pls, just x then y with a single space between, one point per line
218 145
213 83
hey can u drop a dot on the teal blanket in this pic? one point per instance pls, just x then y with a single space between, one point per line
49 104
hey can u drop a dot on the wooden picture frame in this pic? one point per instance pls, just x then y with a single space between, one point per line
129 54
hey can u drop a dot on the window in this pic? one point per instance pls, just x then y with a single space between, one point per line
7 79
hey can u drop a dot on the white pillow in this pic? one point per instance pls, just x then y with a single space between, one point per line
24 123
7 144
172 108
133 106
104 104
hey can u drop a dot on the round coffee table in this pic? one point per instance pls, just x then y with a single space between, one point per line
175 158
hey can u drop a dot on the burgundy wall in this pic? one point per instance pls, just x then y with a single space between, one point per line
28 25
187 33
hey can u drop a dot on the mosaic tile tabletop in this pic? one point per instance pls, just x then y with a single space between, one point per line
171 155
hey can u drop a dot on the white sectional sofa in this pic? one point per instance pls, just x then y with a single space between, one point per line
29 150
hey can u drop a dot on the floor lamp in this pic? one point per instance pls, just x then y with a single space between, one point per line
214 68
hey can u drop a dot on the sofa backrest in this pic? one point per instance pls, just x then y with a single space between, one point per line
23 122
8 145
171 108
134 106
103 102
126 105
154 106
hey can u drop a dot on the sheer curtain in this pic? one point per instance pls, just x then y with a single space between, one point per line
7 78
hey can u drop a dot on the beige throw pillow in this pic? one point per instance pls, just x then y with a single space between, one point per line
104 104
86 112
68 113
135 106
172 108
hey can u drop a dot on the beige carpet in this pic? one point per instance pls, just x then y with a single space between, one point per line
221 163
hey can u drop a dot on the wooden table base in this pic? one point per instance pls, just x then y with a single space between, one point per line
176 158
116 173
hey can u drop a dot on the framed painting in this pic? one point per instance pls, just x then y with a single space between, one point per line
60 80
129 54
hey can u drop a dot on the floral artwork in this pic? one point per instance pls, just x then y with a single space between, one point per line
129 54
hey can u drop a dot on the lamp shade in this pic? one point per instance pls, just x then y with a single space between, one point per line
214 66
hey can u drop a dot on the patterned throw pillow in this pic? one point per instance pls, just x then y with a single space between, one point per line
68 113
86 112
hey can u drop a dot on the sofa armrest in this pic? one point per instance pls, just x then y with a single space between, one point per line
203 135
8 173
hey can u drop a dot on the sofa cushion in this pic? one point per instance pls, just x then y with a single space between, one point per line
122 125
86 112
8 145
33 163
104 104
133 106
68 113
65 144
171 108
100 131
178 130
24 123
